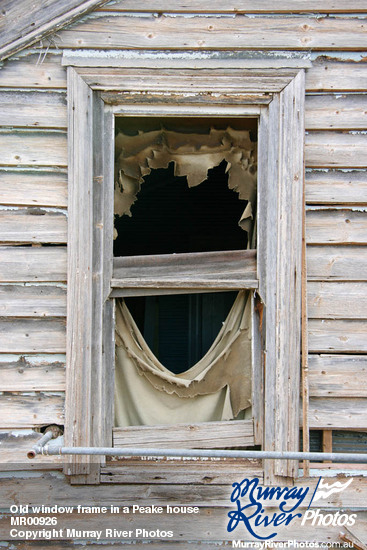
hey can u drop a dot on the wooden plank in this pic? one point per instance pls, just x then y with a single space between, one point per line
336 76
33 148
336 187
32 373
335 263
328 300
143 80
29 72
32 264
14 446
106 405
174 266
33 225
24 24
169 470
335 149
327 443
220 59
286 377
32 300
40 409
339 336
338 413
332 226
33 188
336 112
32 336
218 270
194 99
243 6
33 109
204 435
149 32
80 303
338 375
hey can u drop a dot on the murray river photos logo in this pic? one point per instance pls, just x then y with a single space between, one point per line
252 503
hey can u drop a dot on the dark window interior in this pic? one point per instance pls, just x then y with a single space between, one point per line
170 217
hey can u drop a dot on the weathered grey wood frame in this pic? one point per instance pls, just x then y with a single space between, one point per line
94 97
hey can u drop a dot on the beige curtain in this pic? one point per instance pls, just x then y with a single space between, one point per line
218 387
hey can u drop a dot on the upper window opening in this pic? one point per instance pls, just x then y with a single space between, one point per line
184 185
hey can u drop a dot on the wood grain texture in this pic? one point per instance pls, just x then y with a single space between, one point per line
240 32
205 435
162 80
337 336
336 187
14 446
279 230
328 300
338 375
335 149
199 471
336 76
335 263
33 109
243 6
29 72
33 148
167 273
336 227
33 188
32 300
79 304
33 264
338 413
40 409
32 336
33 225
32 373
24 23
337 112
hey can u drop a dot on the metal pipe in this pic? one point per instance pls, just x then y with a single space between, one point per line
215 453
38 447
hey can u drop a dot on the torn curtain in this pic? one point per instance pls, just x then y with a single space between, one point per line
193 155
218 387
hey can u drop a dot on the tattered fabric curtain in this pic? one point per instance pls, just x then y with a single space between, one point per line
193 154
218 387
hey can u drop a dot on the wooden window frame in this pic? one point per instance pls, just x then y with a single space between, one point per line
95 96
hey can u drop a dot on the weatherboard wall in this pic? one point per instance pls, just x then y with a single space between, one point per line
33 199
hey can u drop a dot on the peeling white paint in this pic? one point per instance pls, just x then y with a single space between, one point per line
42 209
335 170
33 168
35 360
340 208
187 54
335 472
